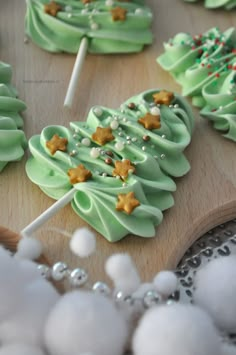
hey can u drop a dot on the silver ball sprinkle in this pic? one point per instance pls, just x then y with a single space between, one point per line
163 156
73 153
102 288
59 271
78 277
151 298
163 136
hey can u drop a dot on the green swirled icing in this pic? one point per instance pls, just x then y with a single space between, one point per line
155 159
12 140
220 107
215 4
63 33
204 65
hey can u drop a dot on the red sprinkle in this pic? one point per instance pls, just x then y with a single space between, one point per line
210 72
229 66
217 75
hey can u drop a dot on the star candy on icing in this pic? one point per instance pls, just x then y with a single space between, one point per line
57 143
163 97
86 1
79 174
122 168
118 14
127 202
52 8
103 135
150 121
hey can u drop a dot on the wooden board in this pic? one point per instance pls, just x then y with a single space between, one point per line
204 198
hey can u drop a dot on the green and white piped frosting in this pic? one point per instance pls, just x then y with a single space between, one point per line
216 4
75 20
155 156
12 139
205 66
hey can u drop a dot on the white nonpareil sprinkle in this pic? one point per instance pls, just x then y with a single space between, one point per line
155 111
94 153
98 111
119 146
86 142
114 124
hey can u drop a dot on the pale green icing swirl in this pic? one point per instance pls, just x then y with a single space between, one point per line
64 32
154 161
216 4
220 98
12 140
203 65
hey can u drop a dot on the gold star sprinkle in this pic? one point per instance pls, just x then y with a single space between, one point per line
150 121
86 1
57 143
118 14
103 135
123 168
79 174
52 8
163 97
127 202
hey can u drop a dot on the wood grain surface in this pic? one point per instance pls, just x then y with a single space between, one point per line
204 198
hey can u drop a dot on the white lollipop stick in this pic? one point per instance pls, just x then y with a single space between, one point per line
76 72
46 215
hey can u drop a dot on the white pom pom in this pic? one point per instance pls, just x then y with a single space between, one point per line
121 269
83 242
10 281
216 289
228 349
20 349
26 324
176 330
84 322
165 283
29 248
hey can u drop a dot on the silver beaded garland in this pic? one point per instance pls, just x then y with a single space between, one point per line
44 271
59 271
101 287
78 277
151 298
